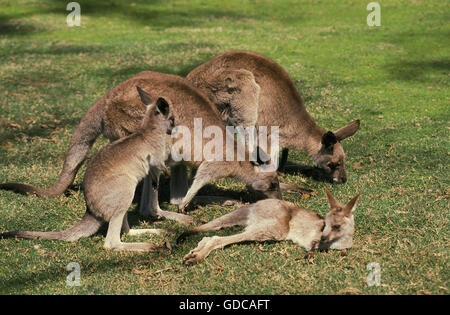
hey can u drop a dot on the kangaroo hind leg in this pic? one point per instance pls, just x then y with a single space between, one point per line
113 241
237 217
208 244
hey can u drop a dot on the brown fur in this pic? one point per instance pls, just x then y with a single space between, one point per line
281 105
235 94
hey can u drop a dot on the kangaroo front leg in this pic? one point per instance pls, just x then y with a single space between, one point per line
208 244
178 183
310 251
205 173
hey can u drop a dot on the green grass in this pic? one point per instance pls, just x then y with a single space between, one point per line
394 78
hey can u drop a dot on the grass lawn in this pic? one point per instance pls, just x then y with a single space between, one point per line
394 77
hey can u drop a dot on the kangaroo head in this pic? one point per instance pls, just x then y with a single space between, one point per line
158 111
331 156
339 223
266 182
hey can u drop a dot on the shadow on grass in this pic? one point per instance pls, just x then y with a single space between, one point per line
146 13
414 66
155 13
418 70
151 13
58 274
9 26
312 172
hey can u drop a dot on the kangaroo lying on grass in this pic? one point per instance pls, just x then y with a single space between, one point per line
120 112
111 178
280 104
280 220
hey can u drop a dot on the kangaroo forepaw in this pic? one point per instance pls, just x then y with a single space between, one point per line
309 256
183 209
191 258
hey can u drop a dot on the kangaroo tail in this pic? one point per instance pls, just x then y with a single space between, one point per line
86 227
237 217
80 144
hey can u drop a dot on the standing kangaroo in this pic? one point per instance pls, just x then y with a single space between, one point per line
281 105
279 220
111 178
120 112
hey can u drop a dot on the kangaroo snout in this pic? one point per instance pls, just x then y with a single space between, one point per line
339 175
324 239
340 180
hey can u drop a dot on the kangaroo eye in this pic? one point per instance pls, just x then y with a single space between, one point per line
336 227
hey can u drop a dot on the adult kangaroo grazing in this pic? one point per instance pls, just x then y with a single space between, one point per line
280 104
120 112
111 178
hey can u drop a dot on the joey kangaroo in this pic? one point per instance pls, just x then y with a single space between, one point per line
279 220
120 112
111 178
280 104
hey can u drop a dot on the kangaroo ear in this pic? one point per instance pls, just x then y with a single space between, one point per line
329 139
145 98
163 106
351 205
331 200
348 130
